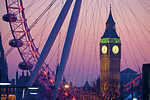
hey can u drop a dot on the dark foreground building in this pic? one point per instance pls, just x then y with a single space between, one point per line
146 81
3 64
127 76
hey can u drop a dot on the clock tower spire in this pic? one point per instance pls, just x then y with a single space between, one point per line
110 56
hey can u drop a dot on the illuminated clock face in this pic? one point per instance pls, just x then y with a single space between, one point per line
115 49
104 49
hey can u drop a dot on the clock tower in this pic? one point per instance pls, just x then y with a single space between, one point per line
110 55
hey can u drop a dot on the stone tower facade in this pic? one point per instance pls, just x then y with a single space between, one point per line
110 56
3 64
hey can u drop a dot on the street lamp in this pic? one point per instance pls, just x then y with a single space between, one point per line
66 86
134 98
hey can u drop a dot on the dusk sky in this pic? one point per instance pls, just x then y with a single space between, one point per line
132 18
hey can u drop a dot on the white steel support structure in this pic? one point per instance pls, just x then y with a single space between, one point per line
67 46
50 41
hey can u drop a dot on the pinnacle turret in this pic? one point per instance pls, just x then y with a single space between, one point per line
110 31
110 19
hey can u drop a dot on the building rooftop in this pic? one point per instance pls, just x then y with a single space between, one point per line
128 70
86 84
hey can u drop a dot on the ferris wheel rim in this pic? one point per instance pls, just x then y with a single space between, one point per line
12 30
29 38
28 41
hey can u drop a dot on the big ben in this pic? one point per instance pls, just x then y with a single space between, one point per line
110 56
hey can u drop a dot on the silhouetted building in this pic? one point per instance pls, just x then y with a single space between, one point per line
110 55
20 84
5 91
87 86
146 82
129 89
128 75
3 64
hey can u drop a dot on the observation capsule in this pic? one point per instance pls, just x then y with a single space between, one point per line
25 66
9 17
16 42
